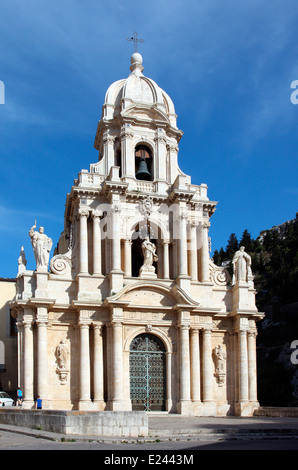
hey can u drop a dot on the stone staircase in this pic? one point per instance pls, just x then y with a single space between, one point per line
191 428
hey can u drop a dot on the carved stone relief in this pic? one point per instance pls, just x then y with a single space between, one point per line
62 357
219 356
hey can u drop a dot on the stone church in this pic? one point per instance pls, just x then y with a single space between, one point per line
131 313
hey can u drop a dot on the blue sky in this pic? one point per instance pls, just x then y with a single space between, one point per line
228 67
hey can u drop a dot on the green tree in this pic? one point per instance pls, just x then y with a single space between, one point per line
216 258
232 246
247 241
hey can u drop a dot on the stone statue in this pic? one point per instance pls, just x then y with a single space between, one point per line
149 253
220 359
62 355
241 266
22 262
42 246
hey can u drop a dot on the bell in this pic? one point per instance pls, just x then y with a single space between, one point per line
143 173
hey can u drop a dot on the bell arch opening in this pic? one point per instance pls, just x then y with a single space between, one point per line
143 163
147 369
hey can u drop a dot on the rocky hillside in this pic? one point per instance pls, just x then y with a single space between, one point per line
275 266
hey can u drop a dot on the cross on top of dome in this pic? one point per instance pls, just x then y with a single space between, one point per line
135 39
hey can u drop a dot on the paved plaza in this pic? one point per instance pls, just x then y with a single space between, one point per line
172 433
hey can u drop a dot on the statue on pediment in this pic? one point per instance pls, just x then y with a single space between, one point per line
42 246
241 266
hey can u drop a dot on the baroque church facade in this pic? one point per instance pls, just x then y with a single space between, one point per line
131 313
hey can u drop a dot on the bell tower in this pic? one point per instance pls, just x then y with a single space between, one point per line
138 132
135 192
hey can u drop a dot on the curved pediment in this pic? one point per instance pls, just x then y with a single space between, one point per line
152 294
145 113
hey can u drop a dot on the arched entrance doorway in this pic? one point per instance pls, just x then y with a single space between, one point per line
147 364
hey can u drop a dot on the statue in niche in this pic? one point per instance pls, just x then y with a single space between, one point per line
219 359
241 266
62 355
149 253
42 246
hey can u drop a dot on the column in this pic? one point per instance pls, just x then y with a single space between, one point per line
207 366
205 253
183 246
108 150
117 403
42 353
160 156
83 214
169 379
252 366
20 328
243 366
195 365
127 257
84 366
193 252
127 151
184 365
115 235
96 242
166 262
28 364
98 371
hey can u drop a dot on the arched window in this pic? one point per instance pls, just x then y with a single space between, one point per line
143 163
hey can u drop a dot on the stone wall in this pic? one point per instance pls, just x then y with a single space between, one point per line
88 423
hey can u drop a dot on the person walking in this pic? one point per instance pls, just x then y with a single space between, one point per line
19 397
38 403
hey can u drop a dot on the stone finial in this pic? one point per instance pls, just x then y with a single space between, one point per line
22 262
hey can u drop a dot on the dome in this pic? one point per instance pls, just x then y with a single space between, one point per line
137 91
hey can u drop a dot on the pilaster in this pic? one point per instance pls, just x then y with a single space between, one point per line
184 405
85 392
117 403
28 357
42 354
98 368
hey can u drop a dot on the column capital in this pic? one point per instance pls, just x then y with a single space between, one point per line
252 333
42 316
96 214
207 329
183 215
114 208
184 326
195 329
242 332
117 324
83 212
84 324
